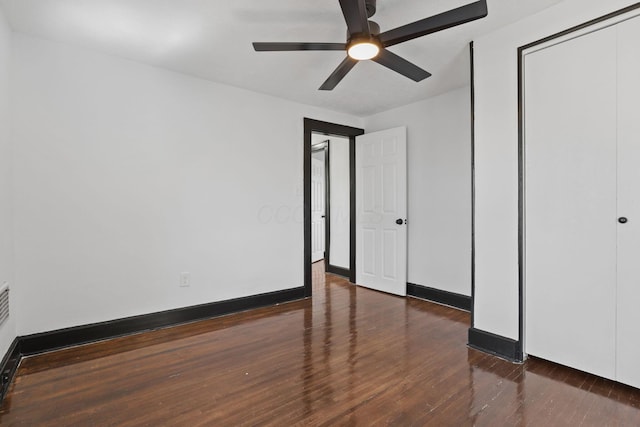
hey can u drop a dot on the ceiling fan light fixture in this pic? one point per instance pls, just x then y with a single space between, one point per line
365 41
363 50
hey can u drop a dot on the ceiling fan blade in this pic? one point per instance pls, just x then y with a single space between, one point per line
355 14
281 47
401 65
433 24
339 73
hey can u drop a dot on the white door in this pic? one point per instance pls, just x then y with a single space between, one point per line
570 197
381 211
317 210
628 354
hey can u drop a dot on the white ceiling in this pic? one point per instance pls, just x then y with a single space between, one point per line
212 39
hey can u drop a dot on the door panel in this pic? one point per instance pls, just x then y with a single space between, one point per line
381 199
390 267
369 247
389 188
570 213
368 188
628 355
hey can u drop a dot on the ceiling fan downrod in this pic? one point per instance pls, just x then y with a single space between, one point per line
371 7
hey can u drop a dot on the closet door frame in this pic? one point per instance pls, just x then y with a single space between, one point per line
576 31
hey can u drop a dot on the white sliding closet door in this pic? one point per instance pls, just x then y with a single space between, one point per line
570 214
582 198
628 354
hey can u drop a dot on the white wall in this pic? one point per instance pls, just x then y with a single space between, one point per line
8 329
127 175
340 199
496 156
439 188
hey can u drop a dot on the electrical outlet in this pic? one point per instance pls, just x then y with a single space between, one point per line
185 279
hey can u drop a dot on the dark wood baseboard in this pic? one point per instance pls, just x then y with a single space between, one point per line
451 299
497 345
9 366
63 338
340 271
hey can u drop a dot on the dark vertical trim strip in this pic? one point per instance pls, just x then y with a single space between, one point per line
307 207
522 159
352 208
521 225
327 204
310 126
473 183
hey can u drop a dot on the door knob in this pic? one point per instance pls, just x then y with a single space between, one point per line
399 221
622 220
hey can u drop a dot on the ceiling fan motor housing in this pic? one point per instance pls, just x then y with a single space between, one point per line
374 29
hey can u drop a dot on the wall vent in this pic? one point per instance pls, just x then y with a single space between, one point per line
4 303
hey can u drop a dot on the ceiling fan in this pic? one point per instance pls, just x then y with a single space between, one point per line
365 41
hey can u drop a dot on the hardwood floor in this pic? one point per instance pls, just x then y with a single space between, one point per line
349 356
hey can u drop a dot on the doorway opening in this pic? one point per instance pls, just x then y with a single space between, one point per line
320 200
319 131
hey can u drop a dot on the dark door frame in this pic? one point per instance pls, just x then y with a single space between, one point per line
310 126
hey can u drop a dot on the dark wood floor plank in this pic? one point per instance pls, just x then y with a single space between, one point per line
349 356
